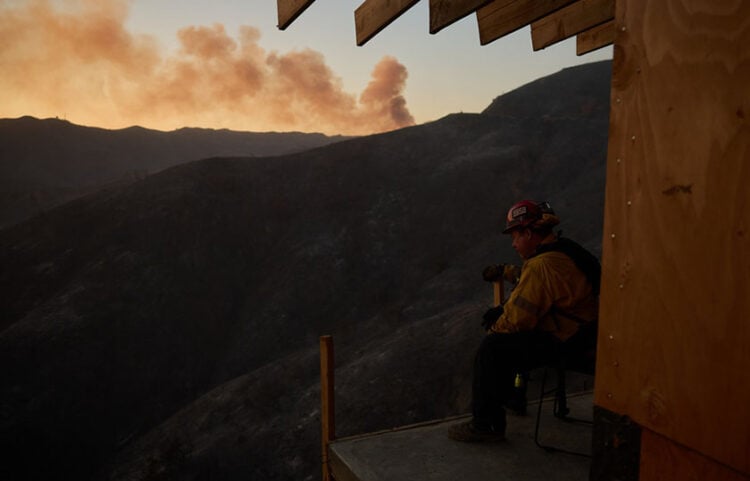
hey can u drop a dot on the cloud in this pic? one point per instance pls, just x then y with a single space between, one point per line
79 61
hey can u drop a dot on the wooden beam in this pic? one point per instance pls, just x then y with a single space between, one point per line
289 10
446 12
372 16
498 291
569 21
502 17
595 38
327 402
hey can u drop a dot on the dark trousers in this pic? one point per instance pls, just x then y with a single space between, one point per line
499 358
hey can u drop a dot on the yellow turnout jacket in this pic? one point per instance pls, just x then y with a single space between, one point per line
552 295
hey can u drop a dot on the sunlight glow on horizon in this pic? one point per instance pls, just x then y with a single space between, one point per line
165 65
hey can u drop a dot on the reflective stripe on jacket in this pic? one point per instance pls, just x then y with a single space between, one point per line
552 295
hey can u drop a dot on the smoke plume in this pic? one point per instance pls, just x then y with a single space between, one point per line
81 62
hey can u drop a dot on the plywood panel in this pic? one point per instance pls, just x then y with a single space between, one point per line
675 306
569 21
289 10
372 16
502 17
595 38
662 459
445 12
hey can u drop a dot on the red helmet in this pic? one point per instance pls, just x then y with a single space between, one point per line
528 213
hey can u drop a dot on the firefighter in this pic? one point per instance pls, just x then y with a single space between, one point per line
555 302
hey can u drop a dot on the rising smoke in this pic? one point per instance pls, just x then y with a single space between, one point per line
82 63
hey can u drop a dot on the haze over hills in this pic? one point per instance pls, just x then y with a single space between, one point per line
168 328
44 163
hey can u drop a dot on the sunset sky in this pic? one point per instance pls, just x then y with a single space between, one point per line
166 64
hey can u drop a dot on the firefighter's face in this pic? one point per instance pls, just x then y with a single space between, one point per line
523 242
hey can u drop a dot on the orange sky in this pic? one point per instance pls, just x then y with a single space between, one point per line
81 63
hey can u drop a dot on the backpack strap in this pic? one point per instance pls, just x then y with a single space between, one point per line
583 259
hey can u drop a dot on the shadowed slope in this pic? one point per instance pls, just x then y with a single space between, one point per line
44 163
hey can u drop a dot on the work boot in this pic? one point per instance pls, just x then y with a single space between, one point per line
468 432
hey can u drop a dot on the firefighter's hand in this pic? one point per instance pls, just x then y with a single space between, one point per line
492 273
511 273
491 316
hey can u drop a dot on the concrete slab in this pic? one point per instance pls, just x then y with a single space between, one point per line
425 453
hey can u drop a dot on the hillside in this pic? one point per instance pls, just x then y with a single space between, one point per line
44 163
167 329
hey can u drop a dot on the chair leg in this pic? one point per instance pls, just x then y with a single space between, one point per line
561 397
539 411
560 410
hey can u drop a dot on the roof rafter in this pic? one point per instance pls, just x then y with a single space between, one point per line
502 17
571 20
446 12
551 20
289 10
595 38
372 16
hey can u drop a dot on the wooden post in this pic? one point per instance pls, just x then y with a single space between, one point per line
499 290
327 404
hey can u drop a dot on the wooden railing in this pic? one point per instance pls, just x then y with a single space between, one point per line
327 402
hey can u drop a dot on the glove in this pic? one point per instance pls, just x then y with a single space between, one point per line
491 316
492 273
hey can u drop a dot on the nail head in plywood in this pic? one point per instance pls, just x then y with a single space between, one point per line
571 20
372 16
502 17
289 10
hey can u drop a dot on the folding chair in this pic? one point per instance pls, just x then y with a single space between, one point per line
578 354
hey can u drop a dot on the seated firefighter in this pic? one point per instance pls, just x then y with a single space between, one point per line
553 305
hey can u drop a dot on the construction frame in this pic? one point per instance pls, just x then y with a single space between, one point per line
675 298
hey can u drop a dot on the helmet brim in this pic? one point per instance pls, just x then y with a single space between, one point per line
511 228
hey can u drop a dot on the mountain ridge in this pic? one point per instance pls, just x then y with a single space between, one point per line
47 162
